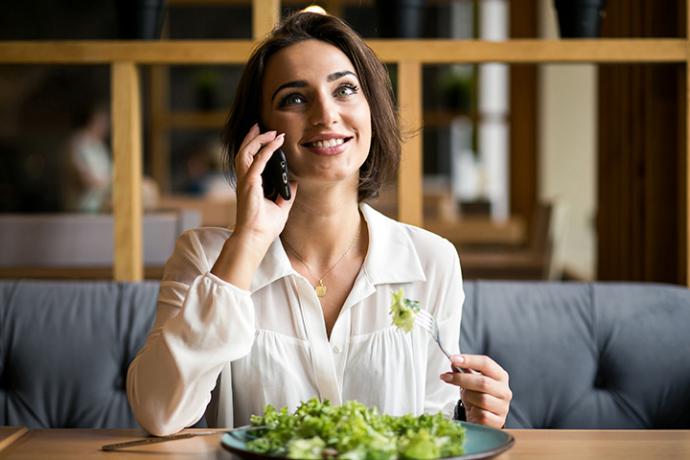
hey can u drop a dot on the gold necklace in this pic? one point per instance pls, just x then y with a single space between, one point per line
320 288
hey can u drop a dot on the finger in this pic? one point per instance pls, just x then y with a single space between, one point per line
485 401
482 364
282 202
455 368
261 158
479 383
251 134
245 157
255 144
484 417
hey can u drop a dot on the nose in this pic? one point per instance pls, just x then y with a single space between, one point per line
323 111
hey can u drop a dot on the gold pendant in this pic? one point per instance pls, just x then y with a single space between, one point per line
320 289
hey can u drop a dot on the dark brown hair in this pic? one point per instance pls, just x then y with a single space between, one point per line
384 156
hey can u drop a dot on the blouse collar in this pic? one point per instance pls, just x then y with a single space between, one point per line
391 257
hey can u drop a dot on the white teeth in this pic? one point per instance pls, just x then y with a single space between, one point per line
328 143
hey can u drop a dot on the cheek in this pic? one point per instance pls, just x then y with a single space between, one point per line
362 118
367 133
278 122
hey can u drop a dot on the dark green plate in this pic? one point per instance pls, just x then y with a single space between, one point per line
480 442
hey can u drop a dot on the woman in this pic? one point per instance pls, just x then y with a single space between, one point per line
294 303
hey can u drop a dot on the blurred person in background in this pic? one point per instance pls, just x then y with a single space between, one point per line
89 162
89 168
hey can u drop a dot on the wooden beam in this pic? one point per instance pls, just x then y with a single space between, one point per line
159 95
127 205
410 208
425 51
141 52
523 164
265 15
530 50
687 146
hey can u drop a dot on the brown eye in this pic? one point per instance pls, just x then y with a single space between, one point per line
292 99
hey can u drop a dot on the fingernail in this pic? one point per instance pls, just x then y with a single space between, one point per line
457 359
273 133
255 126
280 135
445 377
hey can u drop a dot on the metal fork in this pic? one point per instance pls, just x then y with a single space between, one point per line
427 322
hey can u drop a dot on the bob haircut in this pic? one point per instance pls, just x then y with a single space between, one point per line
382 162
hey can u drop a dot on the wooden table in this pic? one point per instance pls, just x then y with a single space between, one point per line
530 444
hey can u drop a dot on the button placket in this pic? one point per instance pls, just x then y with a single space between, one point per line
322 356
342 330
339 337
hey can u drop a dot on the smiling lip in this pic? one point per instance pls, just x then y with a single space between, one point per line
322 145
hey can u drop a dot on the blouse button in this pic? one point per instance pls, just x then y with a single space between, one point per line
336 349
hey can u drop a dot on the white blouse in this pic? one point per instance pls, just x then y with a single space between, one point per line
235 351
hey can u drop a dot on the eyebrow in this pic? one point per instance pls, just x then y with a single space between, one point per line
302 83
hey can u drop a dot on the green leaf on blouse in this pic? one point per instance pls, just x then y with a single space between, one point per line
403 311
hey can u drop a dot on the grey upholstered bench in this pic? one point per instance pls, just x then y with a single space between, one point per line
579 355
586 355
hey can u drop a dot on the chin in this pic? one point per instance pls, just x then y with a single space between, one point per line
328 178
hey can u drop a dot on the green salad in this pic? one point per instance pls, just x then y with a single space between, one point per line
318 430
403 311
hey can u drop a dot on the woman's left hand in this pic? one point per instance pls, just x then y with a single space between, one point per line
485 392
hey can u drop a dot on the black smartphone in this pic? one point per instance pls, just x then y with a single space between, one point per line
275 177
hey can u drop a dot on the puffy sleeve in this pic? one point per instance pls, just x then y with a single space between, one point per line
202 323
447 286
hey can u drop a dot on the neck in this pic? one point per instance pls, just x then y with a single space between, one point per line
321 227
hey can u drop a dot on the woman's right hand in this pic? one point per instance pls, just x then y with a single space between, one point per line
258 218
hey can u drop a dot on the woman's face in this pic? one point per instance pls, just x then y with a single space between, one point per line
312 94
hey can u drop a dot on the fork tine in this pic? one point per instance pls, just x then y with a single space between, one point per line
424 313
424 319
430 319
426 327
428 322
425 316
425 322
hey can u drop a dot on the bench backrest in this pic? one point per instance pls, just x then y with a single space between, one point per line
579 355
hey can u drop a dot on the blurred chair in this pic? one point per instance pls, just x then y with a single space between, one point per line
518 248
81 245
530 260
215 211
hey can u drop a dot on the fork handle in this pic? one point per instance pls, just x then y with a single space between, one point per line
455 368
459 370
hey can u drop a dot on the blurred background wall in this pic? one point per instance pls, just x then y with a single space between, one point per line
600 148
